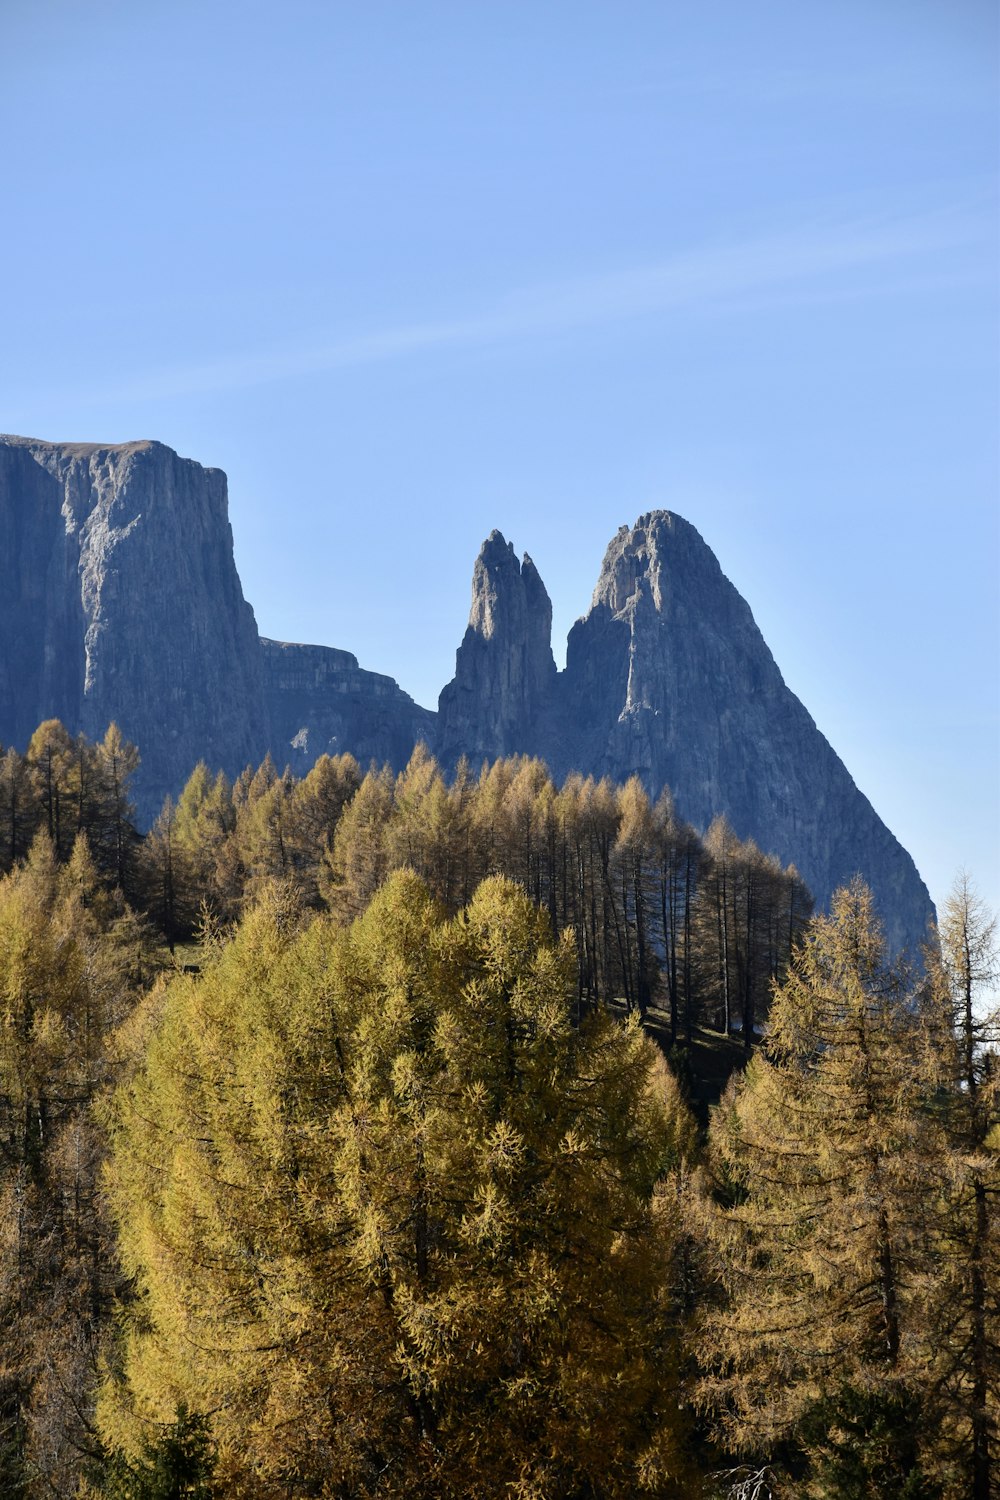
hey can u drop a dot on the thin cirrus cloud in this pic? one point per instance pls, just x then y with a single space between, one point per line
819 263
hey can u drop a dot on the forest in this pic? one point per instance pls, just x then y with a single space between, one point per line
374 1134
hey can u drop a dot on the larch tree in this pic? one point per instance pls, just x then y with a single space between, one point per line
393 1218
115 838
963 1025
825 1149
360 858
18 812
70 968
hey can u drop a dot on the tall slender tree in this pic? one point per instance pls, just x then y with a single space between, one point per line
826 1149
963 1022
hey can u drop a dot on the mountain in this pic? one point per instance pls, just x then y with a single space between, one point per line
505 674
119 599
668 677
320 701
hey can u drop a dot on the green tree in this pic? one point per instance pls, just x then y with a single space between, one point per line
177 1464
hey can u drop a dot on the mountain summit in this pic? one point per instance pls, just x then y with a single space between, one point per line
668 678
504 670
119 599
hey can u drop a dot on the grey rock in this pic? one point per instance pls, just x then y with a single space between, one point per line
668 677
119 599
320 701
505 674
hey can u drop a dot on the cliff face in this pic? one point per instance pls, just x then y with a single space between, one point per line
119 599
668 677
320 701
505 674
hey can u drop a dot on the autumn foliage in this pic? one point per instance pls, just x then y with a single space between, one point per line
340 1154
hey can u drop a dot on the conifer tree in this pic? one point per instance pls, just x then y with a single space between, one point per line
18 814
311 817
633 850
204 822
114 834
963 1029
392 1216
69 968
679 863
360 860
51 759
826 1149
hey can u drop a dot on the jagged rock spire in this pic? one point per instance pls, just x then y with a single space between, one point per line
504 669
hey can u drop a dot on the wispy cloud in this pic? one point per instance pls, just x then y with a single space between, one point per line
817 263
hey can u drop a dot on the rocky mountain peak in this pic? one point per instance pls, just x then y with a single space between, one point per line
504 668
495 576
668 676
645 561
119 599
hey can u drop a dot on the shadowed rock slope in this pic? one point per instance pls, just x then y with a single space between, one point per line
319 701
667 676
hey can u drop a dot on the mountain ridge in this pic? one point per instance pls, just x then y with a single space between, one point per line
120 599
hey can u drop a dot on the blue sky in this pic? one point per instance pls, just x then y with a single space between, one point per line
411 271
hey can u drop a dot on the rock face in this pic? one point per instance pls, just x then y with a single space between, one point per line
505 674
319 701
119 599
667 676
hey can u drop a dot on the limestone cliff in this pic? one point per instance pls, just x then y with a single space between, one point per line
119 599
504 670
320 701
668 677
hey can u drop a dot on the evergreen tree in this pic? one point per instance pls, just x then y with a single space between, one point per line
176 1465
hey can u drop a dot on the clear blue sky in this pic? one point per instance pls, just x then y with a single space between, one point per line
411 271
